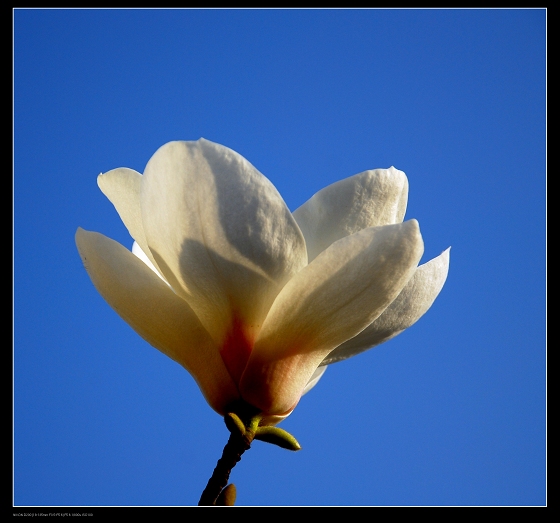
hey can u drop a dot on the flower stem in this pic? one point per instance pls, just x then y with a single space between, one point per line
240 439
233 450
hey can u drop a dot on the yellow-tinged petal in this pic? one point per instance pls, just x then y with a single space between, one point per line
315 377
138 252
223 238
368 199
331 300
409 306
155 312
122 187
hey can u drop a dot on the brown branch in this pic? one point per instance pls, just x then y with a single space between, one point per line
242 434
237 444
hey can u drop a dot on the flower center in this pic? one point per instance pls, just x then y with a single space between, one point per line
236 349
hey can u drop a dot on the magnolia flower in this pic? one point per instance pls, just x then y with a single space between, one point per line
252 300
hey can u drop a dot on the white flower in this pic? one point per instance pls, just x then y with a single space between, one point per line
252 300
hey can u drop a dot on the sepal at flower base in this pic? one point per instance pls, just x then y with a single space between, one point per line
268 434
277 436
234 424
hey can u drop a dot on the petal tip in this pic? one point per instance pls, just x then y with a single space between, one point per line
393 171
444 257
413 225
80 234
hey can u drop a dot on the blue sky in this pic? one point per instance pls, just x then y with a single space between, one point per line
450 412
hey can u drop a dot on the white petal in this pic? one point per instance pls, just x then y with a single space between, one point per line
331 300
315 377
139 253
410 305
220 232
368 199
122 187
155 312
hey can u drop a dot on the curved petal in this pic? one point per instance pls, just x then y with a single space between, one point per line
368 199
315 377
155 312
409 306
122 187
223 238
139 253
328 302
274 419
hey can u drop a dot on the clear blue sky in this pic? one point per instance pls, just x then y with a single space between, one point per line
451 412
